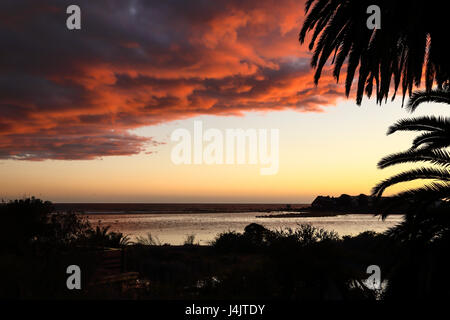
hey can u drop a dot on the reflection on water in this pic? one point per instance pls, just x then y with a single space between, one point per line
174 228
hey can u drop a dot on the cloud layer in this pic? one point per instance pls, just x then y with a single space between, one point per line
77 94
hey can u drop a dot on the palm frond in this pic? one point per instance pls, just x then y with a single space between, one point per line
415 174
426 123
437 157
432 140
436 96
428 193
398 52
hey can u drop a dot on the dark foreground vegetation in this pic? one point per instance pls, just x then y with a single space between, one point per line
37 245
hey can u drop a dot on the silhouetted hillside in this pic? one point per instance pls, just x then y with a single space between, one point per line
345 203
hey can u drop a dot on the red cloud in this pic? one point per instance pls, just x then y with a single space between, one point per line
76 95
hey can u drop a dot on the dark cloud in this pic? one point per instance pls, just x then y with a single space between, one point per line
77 94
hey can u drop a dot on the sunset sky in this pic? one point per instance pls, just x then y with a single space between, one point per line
86 116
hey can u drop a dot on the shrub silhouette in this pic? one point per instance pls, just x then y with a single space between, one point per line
33 223
257 237
26 221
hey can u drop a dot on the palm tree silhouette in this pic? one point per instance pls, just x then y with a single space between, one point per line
411 44
411 37
429 147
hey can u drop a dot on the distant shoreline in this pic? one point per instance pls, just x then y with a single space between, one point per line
305 214
176 208
314 213
270 210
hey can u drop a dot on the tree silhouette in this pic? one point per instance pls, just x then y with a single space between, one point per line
429 147
411 40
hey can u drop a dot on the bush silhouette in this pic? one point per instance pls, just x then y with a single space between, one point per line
26 221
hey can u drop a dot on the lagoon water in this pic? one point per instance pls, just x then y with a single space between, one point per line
173 228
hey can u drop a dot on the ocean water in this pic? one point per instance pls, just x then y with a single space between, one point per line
173 228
